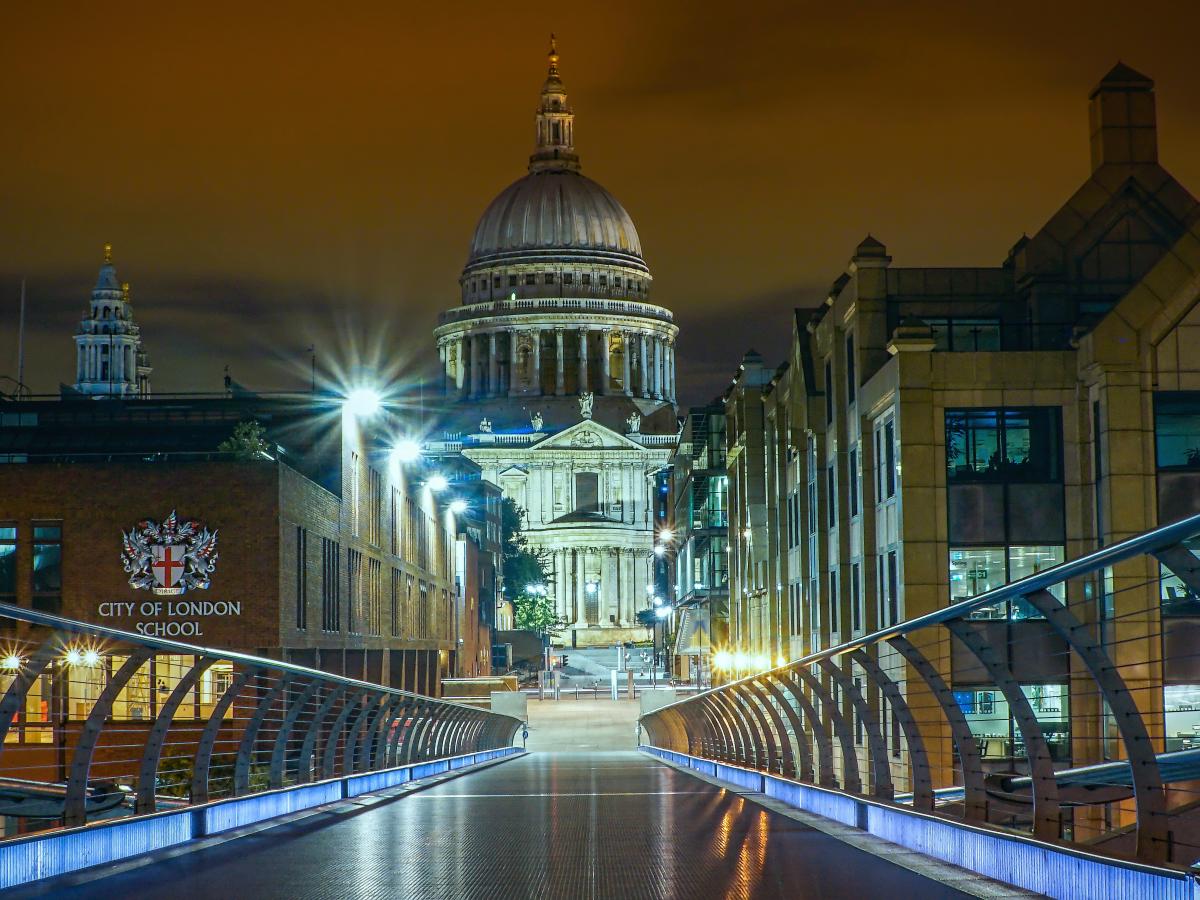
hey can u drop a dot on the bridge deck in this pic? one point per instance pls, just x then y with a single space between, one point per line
569 825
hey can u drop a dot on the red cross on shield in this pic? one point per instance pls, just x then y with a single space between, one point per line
168 564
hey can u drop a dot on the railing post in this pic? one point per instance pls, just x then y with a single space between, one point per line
371 709
826 774
803 741
245 753
850 778
881 769
747 699
308 747
1047 823
148 773
279 750
75 803
975 805
204 749
329 757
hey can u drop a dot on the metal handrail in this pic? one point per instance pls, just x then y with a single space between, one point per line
740 723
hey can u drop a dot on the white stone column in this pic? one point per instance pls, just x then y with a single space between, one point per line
580 601
655 368
625 348
670 392
583 360
493 387
560 584
460 371
643 367
560 384
537 361
476 365
513 387
605 361
608 586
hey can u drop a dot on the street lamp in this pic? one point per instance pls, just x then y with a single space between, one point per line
437 482
407 451
458 506
363 402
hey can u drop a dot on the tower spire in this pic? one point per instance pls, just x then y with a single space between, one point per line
555 123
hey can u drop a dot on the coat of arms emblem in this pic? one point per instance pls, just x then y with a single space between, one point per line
170 558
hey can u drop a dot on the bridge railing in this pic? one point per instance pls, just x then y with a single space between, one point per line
97 723
1064 706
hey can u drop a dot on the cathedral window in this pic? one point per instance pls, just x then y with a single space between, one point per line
587 492
496 281
568 278
512 280
531 279
585 278
604 280
549 278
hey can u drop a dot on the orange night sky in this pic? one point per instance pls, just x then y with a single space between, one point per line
310 173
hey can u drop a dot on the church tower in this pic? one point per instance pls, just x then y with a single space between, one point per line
109 359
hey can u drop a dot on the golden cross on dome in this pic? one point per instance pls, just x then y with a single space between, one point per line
108 253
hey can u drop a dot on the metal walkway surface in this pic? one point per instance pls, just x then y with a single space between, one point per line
554 825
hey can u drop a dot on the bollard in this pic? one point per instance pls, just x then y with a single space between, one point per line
629 673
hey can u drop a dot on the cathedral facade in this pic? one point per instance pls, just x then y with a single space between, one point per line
559 378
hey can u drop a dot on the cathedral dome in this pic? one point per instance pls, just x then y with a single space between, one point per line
555 209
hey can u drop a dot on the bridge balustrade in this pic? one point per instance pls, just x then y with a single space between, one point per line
1055 707
98 724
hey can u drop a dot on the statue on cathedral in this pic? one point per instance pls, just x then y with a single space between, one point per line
585 404
485 425
634 421
536 421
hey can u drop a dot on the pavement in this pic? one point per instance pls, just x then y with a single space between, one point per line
573 726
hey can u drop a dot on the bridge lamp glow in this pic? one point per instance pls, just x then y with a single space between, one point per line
407 451
762 661
363 402
74 657
666 535
780 661
663 611
658 601
11 662
659 550
649 589
438 483
740 660
458 506
91 658
722 659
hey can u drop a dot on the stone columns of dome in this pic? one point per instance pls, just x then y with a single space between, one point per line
670 392
461 379
560 380
625 350
493 385
536 374
476 366
656 378
643 368
605 361
583 360
513 386
578 606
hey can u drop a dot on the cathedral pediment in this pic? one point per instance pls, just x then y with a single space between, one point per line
513 472
586 435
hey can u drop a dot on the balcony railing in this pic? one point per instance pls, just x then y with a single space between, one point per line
1030 707
597 304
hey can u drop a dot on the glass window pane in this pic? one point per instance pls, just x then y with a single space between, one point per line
47 532
1051 707
47 568
987 716
1181 708
8 569
975 571
1177 430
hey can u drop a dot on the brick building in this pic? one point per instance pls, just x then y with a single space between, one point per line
330 551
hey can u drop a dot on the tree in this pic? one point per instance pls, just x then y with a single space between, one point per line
525 575
248 441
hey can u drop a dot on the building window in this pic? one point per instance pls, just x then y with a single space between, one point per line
585 278
47 566
394 529
549 279
355 598
977 570
831 485
852 479
889 458
530 278
496 281
603 280
856 612
512 280
301 578
397 583
374 597
1181 714
8 562
833 601
374 506
587 492
568 278
1003 444
829 391
331 585
965 334
1177 430
989 718
893 588
851 386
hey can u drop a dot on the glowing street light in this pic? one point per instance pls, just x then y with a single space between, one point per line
649 589
666 535
74 657
11 662
663 611
363 402
407 451
659 550
658 601
722 659
90 657
458 506
438 482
